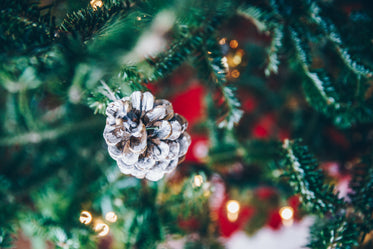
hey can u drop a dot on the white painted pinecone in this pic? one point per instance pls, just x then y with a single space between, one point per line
145 136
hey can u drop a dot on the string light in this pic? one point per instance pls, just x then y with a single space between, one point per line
222 41
233 208
235 73
233 44
111 217
138 18
287 215
237 59
96 4
102 229
198 180
85 217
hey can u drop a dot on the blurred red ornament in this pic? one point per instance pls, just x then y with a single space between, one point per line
264 193
190 224
260 132
249 102
294 202
265 127
249 105
274 220
153 88
190 103
198 149
227 227
338 138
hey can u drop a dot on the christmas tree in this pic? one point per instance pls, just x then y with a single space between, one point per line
135 123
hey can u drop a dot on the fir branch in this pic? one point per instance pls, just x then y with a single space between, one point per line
259 17
175 55
303 56
268 22
273 50
86 22
41 136
335 233
307 180
329 31
214 71
234 112
361 198
23 32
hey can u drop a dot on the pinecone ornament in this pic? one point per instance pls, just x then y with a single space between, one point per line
145 136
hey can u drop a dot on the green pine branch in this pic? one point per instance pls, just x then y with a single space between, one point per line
212 68
361 197
86 22
329 31
338 228
267 21
301 169
337 232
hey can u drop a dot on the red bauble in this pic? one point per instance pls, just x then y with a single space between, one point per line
265 193
190 104
227 227
198 149
274 220
191 224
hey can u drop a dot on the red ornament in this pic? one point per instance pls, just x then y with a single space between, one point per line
227 227
274 220
191 224
265 127
190 104
198 149
265 193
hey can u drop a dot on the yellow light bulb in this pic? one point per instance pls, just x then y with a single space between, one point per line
237 59
233 208
235 73
96 4
233 44
287 213
102 229
85 217
222 41
198 180
111 217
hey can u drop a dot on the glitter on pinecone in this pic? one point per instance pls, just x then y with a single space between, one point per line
145 136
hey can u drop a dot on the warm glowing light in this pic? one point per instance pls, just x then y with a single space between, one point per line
96 4
237 59
85 217
286 213
233 208
233 44
235 73
198 180
111 217
240 52
222 41
138 18
102 229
